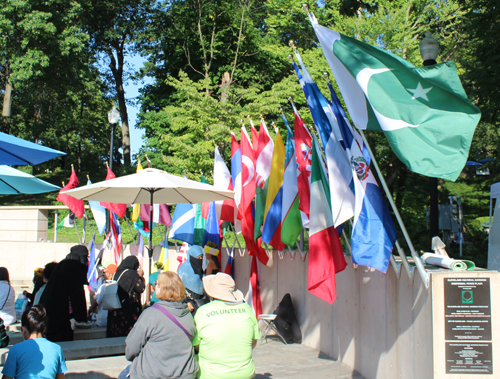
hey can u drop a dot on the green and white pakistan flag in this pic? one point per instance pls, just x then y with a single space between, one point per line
423 111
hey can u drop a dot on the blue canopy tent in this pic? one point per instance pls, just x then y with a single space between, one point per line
15 182
16 151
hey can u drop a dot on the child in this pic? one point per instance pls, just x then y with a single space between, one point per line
35 356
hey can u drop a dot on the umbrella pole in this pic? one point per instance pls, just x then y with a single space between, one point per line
150 249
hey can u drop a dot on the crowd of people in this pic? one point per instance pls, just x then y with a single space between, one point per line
197 324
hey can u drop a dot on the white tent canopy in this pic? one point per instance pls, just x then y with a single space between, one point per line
494 234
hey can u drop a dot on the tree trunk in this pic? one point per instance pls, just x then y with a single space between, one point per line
7 98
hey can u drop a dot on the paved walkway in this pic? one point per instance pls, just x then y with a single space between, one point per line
276 360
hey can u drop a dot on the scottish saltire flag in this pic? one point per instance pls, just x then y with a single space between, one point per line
116 236
212 231
326 257
183 223
303 154
291 221
222 179
423 111
91 272
99 213
236 179
229 269
271 232
117 208
264 156
374 233
339 168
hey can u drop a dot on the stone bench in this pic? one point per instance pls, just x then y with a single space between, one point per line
82 349
96 368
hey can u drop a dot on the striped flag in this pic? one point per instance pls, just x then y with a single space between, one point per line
91 273
303 154
229 269
253 295
116 236
271 233
326 257
291 221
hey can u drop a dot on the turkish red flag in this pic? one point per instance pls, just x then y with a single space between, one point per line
76 206
303 154
246 209
119 209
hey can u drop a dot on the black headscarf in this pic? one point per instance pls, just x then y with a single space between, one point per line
128 280
79 253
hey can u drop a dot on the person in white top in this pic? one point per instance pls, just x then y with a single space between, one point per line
7 298
107 272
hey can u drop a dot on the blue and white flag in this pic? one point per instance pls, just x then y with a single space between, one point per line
212 231
339 168
374 233
91 272
99 213
183 223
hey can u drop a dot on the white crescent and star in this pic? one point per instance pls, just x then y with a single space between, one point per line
386 123
247 162
419 92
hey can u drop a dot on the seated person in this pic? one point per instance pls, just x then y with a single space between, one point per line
226 331
159 345
37 284
191 273
102 315
7 298
35 357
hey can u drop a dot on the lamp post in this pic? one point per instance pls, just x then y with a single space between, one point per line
113 116
429 50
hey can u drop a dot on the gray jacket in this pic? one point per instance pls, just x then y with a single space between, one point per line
158 348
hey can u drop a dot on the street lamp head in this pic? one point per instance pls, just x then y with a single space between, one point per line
429 48
113 116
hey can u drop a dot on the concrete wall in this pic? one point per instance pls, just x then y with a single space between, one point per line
382 326
23 225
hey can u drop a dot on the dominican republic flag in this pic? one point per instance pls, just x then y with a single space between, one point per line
339 167
119 209
263 156
75 206
271 233
374 233
183 223
99 213
116 236
326 257
222 179
236 179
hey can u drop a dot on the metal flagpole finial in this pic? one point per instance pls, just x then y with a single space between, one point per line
290 99
88 177
214 142
273 124
249 117
282 111
106 163
63 183
262 117
290 58
305 7
292 44
72 167
326 75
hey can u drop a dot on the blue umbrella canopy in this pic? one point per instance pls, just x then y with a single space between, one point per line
16 151
15 182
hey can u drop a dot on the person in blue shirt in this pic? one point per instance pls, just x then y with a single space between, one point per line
35 357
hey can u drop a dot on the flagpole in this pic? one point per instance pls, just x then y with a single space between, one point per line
418 262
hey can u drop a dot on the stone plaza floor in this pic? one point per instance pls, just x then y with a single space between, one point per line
273 359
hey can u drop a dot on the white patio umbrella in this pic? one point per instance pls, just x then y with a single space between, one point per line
147 185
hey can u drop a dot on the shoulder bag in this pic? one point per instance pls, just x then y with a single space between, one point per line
111 300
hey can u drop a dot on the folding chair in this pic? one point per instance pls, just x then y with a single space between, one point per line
269 321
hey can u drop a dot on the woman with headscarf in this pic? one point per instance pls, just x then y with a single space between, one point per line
64 295
191 273
131 285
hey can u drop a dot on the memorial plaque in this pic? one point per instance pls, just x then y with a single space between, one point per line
467 313
469 358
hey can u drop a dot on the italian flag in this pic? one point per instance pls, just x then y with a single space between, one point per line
326 257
